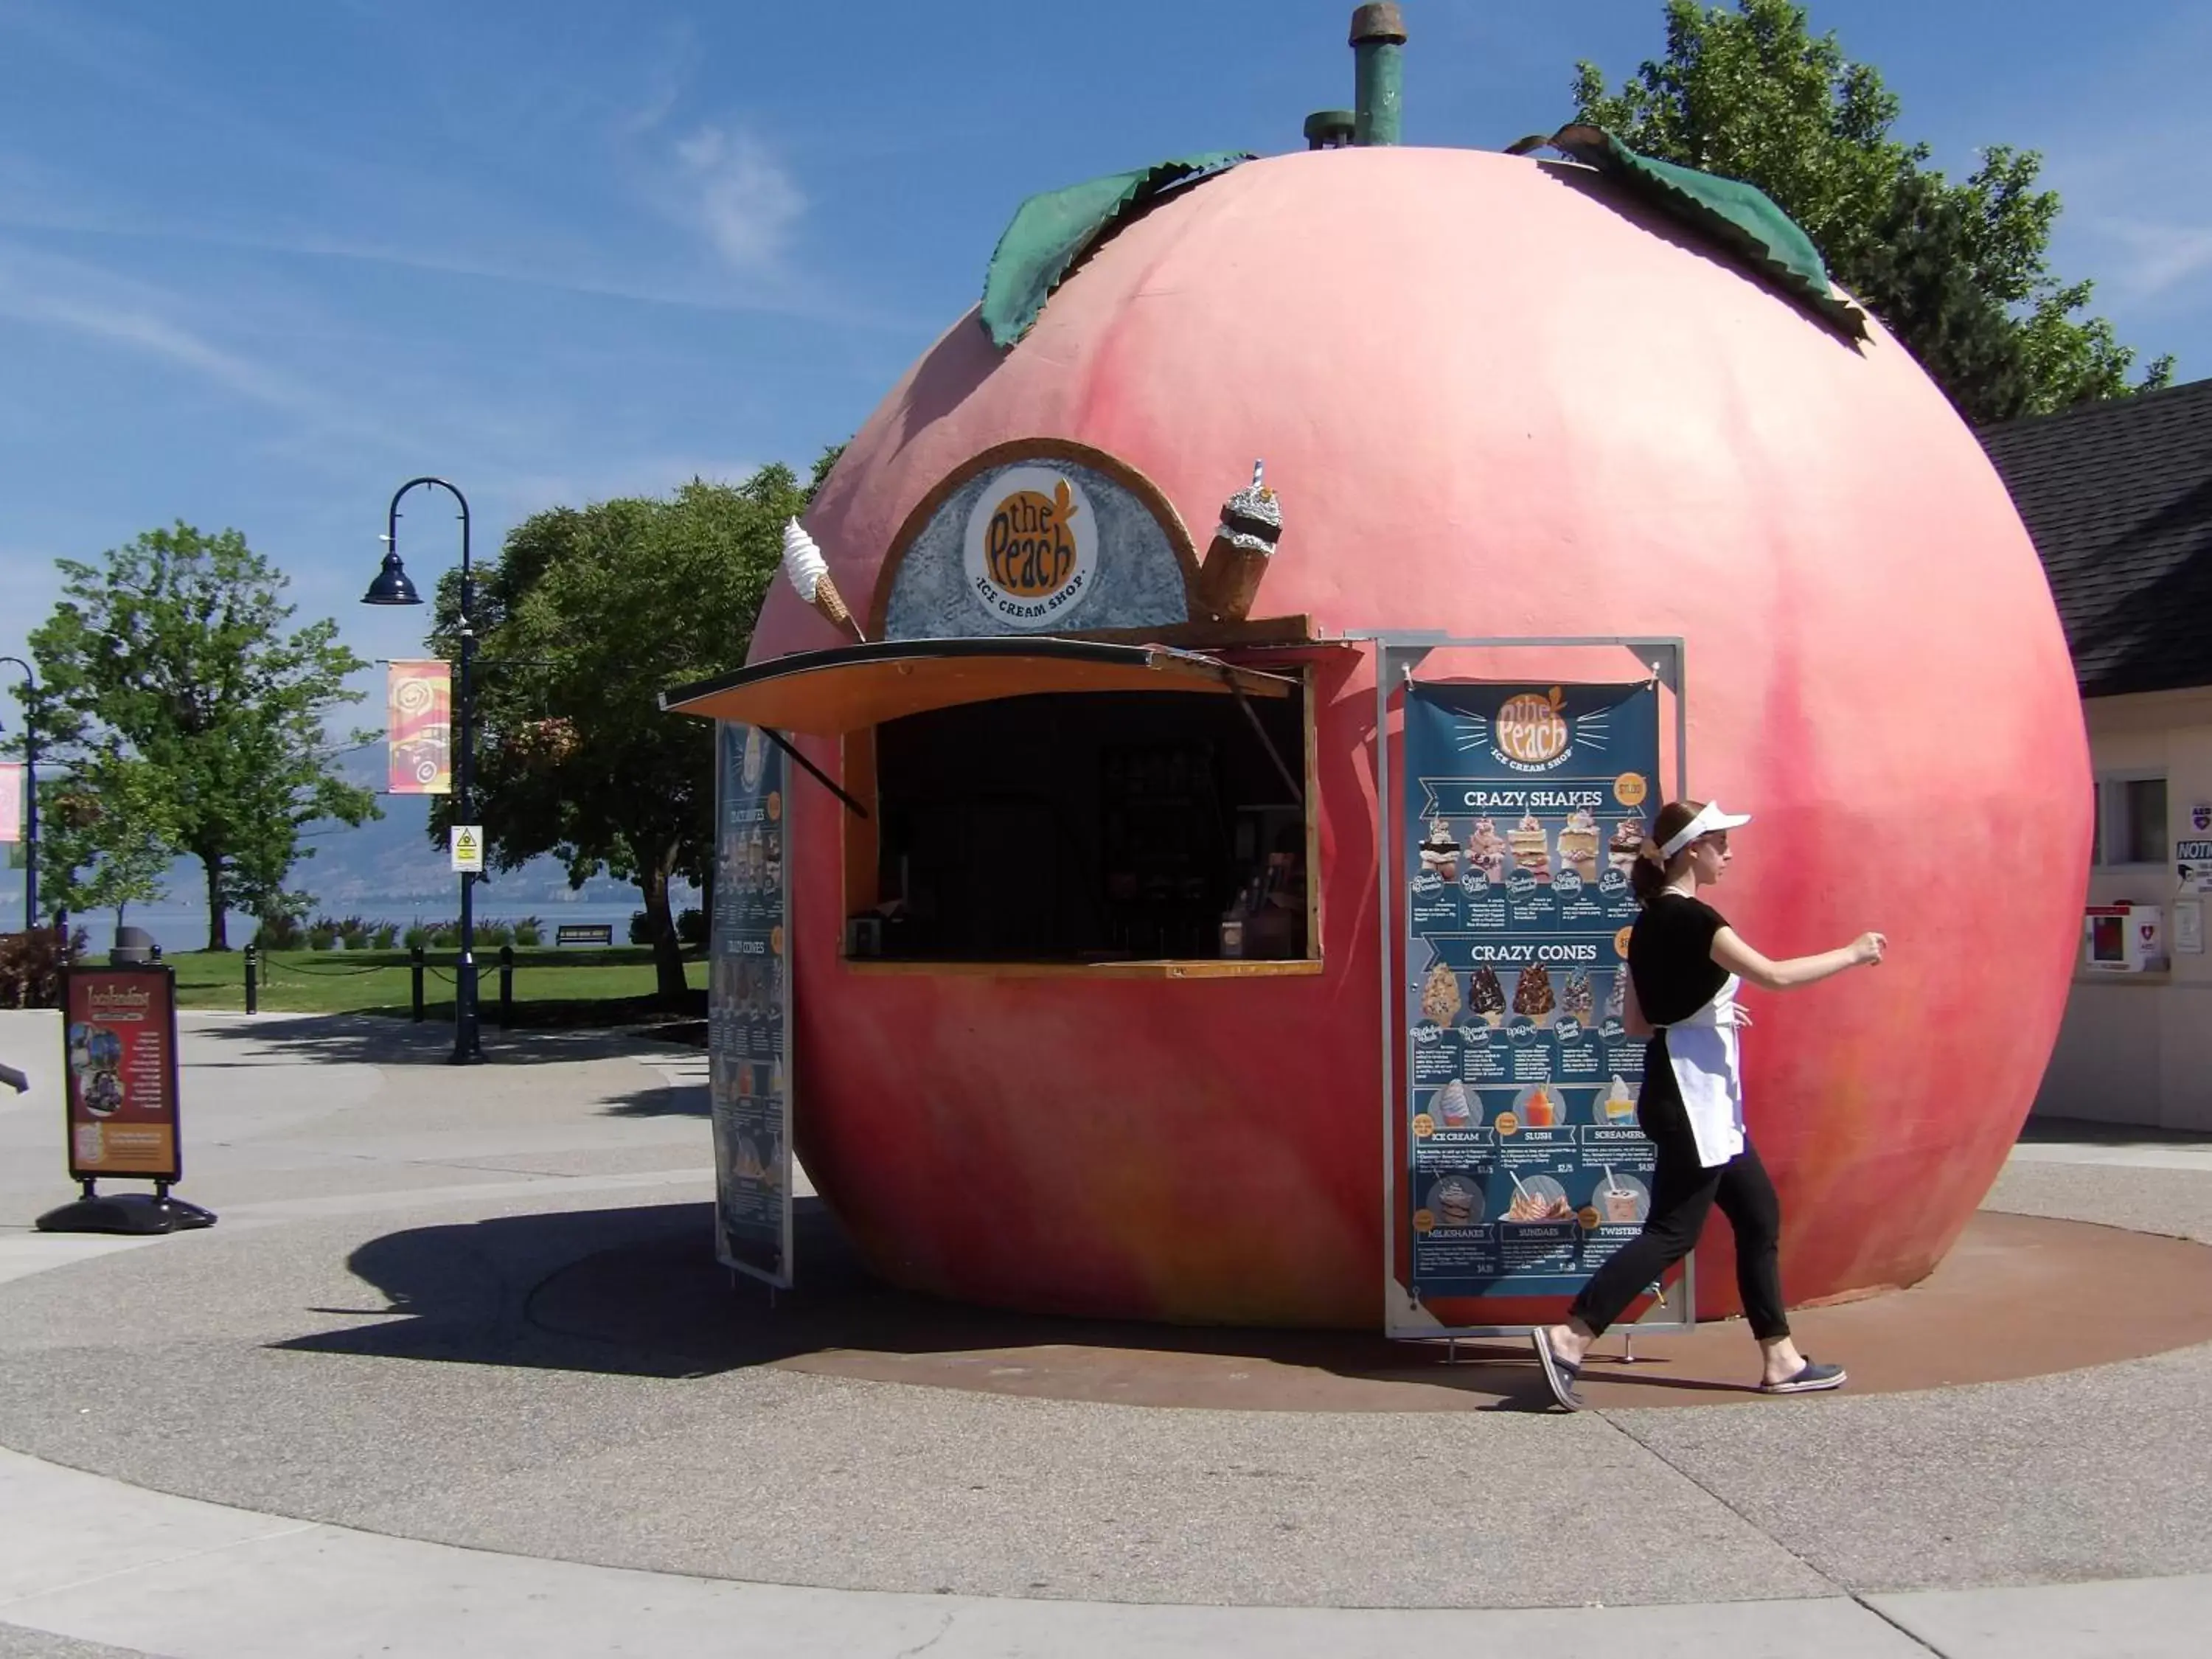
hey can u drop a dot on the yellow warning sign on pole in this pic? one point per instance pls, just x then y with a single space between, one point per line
466 841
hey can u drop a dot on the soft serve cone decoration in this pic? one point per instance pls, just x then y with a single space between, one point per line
806 568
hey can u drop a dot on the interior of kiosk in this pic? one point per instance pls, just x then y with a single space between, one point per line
1056 801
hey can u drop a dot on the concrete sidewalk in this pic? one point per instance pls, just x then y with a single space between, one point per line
84 1560
341 1422
87 1559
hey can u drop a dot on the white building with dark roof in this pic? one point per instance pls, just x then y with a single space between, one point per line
2119 499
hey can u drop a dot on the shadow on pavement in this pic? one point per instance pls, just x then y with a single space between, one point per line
670 1100
2081 1132
639 1293
374 1040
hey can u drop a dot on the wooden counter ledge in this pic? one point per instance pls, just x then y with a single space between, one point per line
1196 968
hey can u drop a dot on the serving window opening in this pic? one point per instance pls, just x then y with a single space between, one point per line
1087 828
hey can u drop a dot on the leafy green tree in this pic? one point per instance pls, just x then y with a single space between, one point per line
588 616
173 653
108 836
1958 272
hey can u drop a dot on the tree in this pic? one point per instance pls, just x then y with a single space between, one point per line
587 617
107 838
173 654
1958 272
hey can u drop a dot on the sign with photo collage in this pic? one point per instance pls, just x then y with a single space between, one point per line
749 1008
120 1053
1524 808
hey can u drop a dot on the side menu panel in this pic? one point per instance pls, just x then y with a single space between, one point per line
748 1008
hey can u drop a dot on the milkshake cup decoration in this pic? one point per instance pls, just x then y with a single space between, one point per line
808 572
1243 544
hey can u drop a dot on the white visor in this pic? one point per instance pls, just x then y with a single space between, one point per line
1709 821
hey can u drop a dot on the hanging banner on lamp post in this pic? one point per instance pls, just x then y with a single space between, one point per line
418 705
11 801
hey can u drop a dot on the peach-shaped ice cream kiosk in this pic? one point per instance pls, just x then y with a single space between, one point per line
1095 956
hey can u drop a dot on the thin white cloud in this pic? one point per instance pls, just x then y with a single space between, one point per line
2160 258
29 585
41 289
739 196
666 79
44 290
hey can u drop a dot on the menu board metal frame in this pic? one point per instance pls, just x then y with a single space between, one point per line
749 1064
1398 656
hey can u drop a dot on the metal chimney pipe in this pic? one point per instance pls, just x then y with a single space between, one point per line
1330 129
1378 42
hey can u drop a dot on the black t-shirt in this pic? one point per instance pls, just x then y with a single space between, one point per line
1670 958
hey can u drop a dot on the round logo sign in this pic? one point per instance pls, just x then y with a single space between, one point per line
1032 545
1531 729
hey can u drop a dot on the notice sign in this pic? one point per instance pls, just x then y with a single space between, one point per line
121 1042
2192 865
748 1008
1524 807
465 842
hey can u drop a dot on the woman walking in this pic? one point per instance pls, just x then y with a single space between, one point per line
1685 965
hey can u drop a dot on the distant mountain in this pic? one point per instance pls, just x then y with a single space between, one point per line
388 861
393 858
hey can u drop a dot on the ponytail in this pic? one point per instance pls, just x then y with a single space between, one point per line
1650 873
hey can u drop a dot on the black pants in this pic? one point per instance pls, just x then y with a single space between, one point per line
1683 1195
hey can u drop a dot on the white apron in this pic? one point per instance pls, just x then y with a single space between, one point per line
1702 1050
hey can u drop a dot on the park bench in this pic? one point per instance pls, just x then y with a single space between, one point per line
584 933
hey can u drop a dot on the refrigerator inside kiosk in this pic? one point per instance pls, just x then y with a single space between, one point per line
2125 939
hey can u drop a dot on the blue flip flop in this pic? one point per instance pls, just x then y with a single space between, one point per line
1558 1372
1810 1379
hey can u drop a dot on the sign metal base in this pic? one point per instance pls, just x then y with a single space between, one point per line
125 1212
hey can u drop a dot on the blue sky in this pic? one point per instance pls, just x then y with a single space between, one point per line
261 263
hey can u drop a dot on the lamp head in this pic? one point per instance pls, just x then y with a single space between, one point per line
392 586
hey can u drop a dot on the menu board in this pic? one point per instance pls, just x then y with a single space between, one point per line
749 1008
1524 809
120 1045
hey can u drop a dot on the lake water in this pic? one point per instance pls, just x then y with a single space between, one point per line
174 929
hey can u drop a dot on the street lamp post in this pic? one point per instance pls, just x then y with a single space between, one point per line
28 698
391 587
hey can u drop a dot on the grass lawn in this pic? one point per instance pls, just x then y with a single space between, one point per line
552 987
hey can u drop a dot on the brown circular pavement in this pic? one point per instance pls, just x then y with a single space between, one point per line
2018 1296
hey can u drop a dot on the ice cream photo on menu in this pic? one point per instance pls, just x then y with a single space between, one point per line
1440 853
1485 851
1530 846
